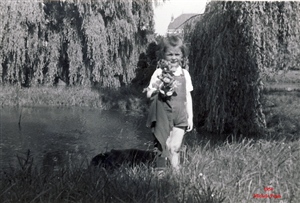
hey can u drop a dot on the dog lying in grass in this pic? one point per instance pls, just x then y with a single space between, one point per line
131 157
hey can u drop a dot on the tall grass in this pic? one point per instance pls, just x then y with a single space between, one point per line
126 99
230 172
49 96
241 170
138 184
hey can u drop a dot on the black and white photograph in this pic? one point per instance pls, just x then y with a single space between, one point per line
149 101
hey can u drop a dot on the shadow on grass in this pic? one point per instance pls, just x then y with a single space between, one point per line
76 184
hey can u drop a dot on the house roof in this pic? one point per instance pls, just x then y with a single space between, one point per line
180 20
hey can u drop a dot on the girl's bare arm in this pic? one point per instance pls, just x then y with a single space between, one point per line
189 107
150 92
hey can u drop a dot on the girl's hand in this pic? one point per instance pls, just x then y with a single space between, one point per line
190 125
151 92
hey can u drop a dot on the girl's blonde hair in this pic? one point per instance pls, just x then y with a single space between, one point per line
173 41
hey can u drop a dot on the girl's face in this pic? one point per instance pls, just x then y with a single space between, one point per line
174 56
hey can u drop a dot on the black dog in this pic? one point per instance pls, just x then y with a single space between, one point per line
130 157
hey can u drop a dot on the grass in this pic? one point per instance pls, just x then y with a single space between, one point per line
290 76
243 169
283 114
281 105
283 81
139 184
229 172
49 96
127 100
235 171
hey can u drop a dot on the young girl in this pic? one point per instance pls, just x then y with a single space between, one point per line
170 113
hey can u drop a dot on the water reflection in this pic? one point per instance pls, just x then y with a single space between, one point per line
60 137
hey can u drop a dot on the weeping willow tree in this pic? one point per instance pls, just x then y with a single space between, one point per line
233 45
19 40
91 42
275 28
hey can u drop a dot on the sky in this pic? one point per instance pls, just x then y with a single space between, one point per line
164 11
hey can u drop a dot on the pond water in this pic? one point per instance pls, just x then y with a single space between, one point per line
60 137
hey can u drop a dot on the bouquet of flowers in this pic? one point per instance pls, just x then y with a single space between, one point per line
166 83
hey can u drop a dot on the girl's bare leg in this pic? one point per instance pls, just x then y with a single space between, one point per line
173 145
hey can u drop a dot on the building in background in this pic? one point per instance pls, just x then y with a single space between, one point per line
176 25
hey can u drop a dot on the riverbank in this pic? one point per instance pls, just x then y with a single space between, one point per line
49 96
237 171
127 100
280 105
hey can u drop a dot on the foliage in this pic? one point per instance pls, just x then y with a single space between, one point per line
21 53
233 47
188 29
80 42
275 31
147 64
224 73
